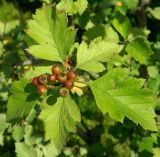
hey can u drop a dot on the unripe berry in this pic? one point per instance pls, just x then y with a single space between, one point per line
62 77
52 78
43 79
71 75
56 69
41 89
35 81
63 91
69 84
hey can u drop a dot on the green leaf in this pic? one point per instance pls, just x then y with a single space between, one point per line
89 58
156 152
121 7
120 97
122 25
68 6
23 99
59 119
111 35
31 116
153 71
140 50
1 139
25 150
18 133
32 137
81 5
72 7
50 150
49 29
131 4
3 126
1 48
147 143
48 1
5 14
94 32
104 31
154 84
36 71
2 122
45 51
7 27
138 32
155 12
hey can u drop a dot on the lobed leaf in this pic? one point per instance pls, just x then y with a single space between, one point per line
59 119
37 70
132 4
90 58
122 25
72 7
18 133
140 50
49 29
23 99
25 150
120 97
155 12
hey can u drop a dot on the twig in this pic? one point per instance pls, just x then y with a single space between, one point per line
141 13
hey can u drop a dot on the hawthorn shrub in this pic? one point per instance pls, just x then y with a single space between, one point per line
80 78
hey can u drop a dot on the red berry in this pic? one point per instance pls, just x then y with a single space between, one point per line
63 91
52 78
56 69
43 79
62 77
41 89
71 75
69 84
35 81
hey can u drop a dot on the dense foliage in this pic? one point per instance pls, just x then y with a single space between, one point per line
80 78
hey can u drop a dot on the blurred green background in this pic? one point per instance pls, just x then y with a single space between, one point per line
98 135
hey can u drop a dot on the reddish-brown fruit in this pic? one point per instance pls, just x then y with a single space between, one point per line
69 84
71 75
41 89
56 69
43 79
62 77
63 91
52 78
35 81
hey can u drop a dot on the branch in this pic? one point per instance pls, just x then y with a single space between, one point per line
141 13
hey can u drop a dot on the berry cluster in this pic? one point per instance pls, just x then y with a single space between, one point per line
59 78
